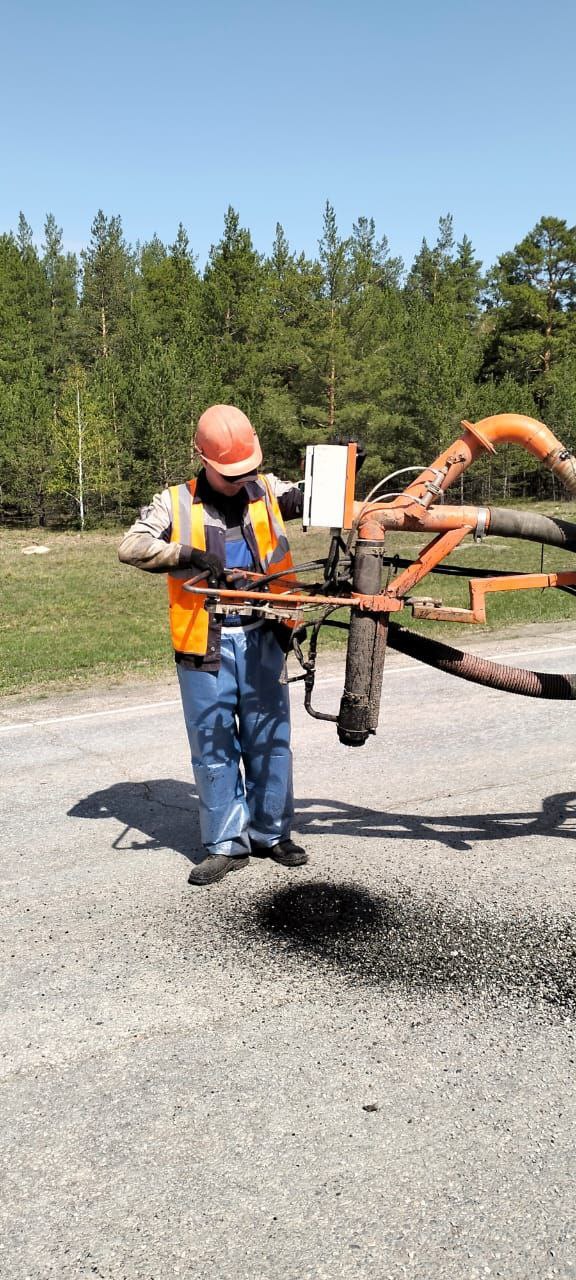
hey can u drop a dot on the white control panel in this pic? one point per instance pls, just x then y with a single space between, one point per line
329 486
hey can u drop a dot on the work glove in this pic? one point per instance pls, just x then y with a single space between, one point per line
210 566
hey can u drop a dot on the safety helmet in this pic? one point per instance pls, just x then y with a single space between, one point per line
226 439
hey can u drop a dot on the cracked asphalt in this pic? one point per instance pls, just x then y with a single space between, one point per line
362 1068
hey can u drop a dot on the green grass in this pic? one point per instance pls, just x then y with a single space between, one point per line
76 616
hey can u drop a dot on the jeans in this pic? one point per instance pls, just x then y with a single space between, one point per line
237 716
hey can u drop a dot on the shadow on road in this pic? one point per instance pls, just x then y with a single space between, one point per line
401 940
457 831
165 812
419 945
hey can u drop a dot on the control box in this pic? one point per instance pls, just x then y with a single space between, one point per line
329 486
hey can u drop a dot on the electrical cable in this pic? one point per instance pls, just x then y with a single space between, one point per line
402 471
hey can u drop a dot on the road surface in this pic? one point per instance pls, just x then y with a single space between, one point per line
362 1068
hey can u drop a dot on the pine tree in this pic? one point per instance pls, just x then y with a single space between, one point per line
373 317
14 326
533 289
162 405
61 273
171 290
440 349
34 298
233 317
292 291
108 280
24 344
26 440
332 351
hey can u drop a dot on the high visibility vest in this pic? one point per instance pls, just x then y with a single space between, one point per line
194 526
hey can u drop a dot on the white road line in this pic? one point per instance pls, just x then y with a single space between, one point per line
89 715
505 659
323 682
528 653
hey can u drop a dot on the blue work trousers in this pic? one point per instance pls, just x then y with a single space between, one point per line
238 724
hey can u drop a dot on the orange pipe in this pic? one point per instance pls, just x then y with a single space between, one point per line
290 598
434 520
413 509
480 587
501 428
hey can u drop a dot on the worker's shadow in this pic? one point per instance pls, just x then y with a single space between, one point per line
165 812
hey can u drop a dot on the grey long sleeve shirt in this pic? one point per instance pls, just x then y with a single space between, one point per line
147 544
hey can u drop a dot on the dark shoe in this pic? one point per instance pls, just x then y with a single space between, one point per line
215 867
285 852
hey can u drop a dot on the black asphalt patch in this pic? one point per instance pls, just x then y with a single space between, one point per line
417 945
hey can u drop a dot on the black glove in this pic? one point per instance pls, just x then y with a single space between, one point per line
361 456
205 563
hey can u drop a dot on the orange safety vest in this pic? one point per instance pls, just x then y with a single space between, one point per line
189 620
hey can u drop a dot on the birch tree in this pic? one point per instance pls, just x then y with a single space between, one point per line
83 463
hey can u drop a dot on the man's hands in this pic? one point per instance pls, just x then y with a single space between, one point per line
207 564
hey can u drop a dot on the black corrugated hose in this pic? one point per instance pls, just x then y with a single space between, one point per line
468 666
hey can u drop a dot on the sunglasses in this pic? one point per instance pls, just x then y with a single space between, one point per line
250 475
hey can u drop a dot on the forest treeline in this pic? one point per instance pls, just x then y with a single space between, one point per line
107 360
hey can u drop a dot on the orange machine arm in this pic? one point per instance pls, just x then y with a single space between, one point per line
502 428
413 510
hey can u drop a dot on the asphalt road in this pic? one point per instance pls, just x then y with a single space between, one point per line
363 1068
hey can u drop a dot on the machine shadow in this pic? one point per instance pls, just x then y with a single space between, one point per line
421 946
165 812
557 816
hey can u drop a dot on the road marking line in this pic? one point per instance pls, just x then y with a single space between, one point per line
502 659
528 653
323 682
88 715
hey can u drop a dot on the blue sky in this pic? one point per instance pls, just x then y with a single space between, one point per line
171 111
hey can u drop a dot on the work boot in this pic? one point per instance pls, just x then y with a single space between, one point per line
285 852
215 867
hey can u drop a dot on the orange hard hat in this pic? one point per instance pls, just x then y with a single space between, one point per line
226 439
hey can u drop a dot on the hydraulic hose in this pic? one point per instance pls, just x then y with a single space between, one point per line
533 527
532 684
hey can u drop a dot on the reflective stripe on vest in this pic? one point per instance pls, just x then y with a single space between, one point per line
189 620
188 617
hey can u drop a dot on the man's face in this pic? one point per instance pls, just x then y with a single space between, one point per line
228 485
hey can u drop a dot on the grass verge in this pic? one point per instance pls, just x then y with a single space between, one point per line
76 615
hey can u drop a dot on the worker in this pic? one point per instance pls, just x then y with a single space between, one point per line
231 674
